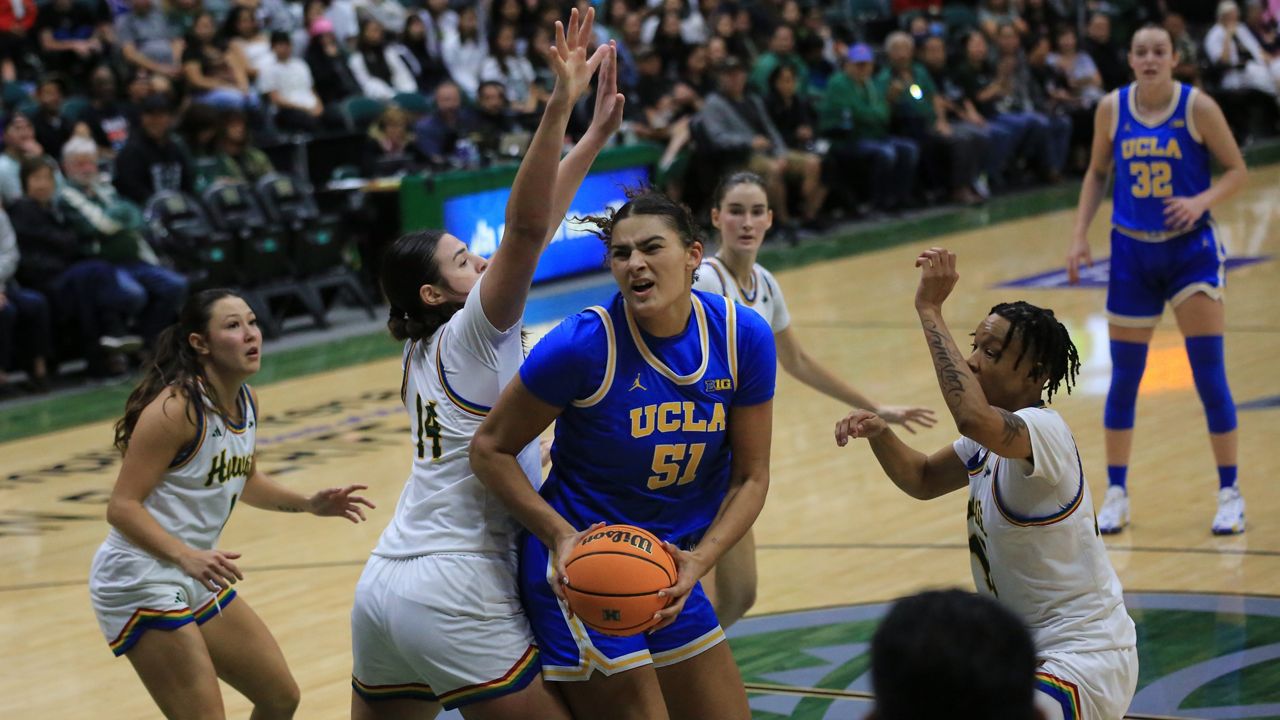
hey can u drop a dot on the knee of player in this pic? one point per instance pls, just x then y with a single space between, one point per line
282 701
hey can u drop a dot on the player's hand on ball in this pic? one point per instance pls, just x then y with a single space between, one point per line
904 415
213 568
938 277
859 424
1078 254
339 502
563 549
689 569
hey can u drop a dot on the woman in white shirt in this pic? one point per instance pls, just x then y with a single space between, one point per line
378 66
507 66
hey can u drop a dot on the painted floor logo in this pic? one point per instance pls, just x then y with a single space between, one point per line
1200 656
1096 276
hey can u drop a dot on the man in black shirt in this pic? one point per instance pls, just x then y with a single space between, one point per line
153 160
1111 61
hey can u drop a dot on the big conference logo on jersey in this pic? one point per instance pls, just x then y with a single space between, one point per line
1201 656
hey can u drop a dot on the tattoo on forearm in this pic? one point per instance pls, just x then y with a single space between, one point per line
1013 426
946 361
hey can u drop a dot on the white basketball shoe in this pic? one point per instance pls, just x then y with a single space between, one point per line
1114 515
1229 519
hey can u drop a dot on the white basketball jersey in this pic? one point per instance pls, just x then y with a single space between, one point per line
765 296
1034 542
195 498
451 380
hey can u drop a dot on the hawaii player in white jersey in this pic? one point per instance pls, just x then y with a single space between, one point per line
741 215
1033 540
437 619
188 442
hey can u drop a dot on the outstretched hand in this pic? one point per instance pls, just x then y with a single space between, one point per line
568 58
339 502
609 102
904 415
859 424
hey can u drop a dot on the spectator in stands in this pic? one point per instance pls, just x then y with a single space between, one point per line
104 116
736 121
329 67
243 32
234 157
1263 26
216 71
965 121
72 37
505 65
377 67
985 84
782 51
669 42
153 160
391 148
791 112
427 68
82 290
181 16
439 133
346 21
390 14
994 13
1187 49
275 15
1048 136
98 215
19 144
1111 59
690 25
1070 121
286 82
1237 55
916 111
697 72
16 21
974 656
1043 17
24 314
147 40
440 21
51 128
854 116
738 44
464 50
494 122
1083 79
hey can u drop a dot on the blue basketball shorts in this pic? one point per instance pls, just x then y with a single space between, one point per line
1145 275
573 652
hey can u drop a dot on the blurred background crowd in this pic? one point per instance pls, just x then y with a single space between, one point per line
121 115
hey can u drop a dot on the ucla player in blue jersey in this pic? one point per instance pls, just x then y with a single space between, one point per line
1159 135
663 402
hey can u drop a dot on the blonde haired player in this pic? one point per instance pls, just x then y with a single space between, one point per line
741 215
1033 541
437 617
188 438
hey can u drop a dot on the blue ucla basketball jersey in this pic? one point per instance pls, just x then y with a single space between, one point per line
643 439
1156 162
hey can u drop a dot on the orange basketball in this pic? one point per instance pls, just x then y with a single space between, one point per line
614 575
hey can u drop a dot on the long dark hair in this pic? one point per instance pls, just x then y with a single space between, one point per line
175 364
407 265
733 180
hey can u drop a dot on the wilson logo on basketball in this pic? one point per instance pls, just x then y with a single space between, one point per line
622 537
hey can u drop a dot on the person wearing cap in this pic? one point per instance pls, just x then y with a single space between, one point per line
111 223
736 122
153 160
854 115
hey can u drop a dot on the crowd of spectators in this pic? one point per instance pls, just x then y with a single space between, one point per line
848 109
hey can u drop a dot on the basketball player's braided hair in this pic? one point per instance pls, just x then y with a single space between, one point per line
174 365
644 200
1053 355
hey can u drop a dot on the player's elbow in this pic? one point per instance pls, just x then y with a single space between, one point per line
118 510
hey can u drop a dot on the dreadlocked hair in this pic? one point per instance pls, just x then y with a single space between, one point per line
407 265
174 365
1053 355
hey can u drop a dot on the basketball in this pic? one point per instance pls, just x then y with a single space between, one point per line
614 576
